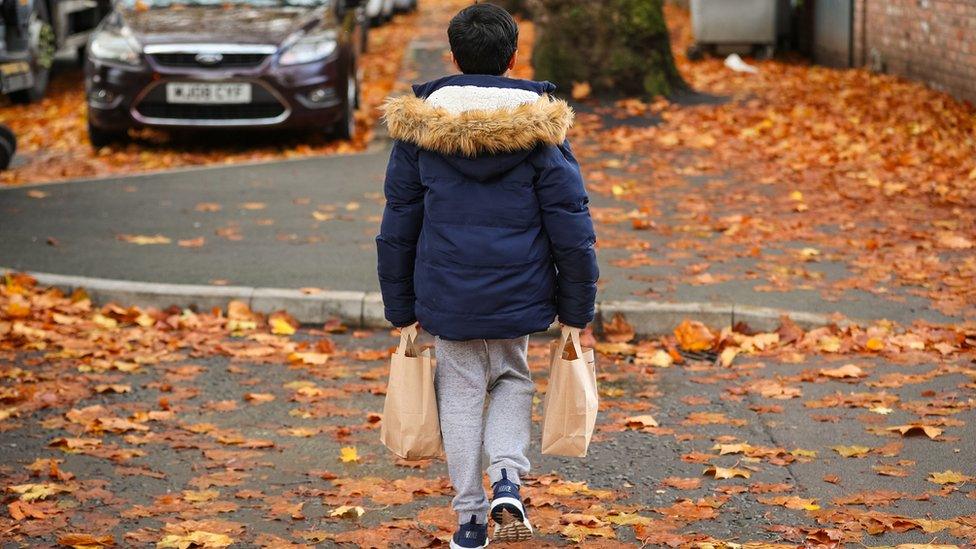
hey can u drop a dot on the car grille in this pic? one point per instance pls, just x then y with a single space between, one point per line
228 60
264 107
210 112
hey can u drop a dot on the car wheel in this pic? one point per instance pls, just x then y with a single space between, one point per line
101 138
42 46
7 147
7 135
345 128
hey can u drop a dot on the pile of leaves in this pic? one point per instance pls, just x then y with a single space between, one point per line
795 166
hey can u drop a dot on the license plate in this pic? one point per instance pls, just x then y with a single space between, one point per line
15 76
208 94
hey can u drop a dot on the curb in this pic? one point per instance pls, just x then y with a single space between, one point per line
365 309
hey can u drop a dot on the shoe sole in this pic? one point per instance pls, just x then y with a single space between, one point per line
456 546
509 526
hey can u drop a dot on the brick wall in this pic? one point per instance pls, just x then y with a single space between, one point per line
933 41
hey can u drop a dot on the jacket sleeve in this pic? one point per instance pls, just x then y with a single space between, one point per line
566 218
396 245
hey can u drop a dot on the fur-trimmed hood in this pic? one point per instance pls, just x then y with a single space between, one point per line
476 115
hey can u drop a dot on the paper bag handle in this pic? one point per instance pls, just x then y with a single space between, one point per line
408 338
570 333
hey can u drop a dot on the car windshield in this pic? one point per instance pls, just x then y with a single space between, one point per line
143 4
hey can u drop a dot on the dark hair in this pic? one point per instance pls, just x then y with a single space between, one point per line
483 39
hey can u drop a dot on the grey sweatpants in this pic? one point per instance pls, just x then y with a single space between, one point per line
466 372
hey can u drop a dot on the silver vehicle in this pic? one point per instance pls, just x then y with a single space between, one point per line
379 11
32 32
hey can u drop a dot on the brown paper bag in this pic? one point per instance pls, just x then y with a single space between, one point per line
571 400
410 427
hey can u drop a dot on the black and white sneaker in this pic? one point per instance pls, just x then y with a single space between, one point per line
470 535
511 522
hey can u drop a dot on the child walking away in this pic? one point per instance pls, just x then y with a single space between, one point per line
486 238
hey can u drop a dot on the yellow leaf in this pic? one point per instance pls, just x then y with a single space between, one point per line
728 355
348 454
18 309
569 488
578 532
626 519
829 344
949 477
282 324
34 492
204 495
845 371
874 344
105 322
851 451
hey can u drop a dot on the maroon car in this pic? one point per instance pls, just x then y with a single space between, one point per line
224 64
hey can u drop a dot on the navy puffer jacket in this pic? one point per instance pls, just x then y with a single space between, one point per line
486 233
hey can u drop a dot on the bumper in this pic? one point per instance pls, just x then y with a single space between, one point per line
303 96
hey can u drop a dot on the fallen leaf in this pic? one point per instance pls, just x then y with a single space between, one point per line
845 371
726 472
348 454
949 477
694 336
851 451
916 428
197 538
347 511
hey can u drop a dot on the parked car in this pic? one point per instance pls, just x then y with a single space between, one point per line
220 64
32 32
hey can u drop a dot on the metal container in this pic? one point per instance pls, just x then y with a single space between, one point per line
738 22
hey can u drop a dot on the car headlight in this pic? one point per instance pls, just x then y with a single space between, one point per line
110 44
309 48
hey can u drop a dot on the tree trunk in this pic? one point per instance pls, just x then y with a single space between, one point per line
619 47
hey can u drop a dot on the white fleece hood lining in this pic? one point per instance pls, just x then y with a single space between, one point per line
458 99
